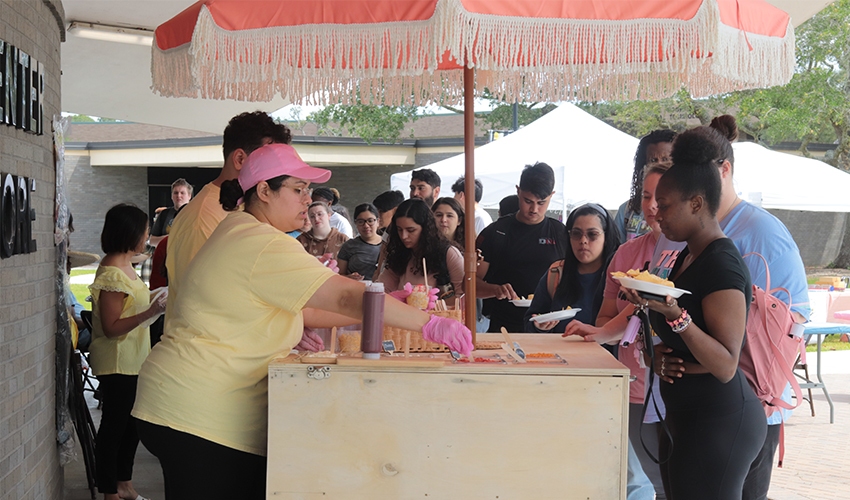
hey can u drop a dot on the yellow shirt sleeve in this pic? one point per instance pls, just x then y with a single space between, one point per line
125 354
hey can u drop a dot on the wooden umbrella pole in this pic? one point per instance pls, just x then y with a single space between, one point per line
470 258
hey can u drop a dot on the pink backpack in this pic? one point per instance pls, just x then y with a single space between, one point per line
768 355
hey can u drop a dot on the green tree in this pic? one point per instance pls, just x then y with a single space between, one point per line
815 105
81 119
369 122
638 118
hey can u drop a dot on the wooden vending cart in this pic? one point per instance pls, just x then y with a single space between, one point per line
429 427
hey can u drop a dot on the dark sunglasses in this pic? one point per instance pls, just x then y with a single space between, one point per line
576 234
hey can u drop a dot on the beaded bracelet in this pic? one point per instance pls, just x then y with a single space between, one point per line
681 323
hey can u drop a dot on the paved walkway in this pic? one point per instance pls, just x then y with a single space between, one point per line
817 456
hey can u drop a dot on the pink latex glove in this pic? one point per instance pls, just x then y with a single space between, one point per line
450 333
310 341
408 289
329 261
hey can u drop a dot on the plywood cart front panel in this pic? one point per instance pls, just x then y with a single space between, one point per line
451 432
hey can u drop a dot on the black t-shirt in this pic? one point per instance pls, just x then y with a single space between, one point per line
718 267
519 254
162 223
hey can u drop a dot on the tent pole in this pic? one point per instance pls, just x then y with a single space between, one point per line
470 257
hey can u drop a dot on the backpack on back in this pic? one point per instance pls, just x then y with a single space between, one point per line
553 276
768 355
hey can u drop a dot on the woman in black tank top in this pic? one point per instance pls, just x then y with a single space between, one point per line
716 423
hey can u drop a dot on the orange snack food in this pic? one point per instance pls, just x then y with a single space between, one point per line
540 355
418 298
642 276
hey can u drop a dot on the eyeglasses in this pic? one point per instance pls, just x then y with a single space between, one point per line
302 192
577 234
362 222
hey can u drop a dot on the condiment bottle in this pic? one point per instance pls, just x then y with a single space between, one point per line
372 332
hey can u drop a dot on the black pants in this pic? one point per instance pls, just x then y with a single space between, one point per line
194 467
117 439
758 480
717 429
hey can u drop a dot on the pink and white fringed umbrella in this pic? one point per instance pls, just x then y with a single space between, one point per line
414 51
423 51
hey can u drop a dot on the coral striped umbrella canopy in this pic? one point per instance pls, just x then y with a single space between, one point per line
414 51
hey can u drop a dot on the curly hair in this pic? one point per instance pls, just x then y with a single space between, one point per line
460 232
246 131
432 245
654 137
707 144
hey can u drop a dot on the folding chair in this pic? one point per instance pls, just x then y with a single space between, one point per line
88 385
801 364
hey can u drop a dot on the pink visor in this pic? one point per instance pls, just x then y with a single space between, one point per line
273 160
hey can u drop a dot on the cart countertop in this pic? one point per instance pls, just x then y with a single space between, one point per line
582 358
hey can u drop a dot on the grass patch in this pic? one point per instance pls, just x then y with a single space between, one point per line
830 343
81 292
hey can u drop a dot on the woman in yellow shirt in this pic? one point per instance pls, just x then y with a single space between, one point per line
247 297
121 312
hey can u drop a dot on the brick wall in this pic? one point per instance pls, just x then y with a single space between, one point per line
29 463
94 190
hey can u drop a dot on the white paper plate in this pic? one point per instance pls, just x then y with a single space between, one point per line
654 288
557 315
521 303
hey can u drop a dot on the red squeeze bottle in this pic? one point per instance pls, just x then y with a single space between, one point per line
372 332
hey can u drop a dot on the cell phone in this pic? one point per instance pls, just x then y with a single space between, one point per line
652 296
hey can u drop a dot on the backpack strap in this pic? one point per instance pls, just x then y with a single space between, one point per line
553 276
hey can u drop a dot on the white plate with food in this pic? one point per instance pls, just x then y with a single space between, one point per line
651 288
556 315
521 302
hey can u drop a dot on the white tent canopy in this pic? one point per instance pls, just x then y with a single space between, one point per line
593 162
789 182
581 149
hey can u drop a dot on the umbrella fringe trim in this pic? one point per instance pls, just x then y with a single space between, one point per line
513 68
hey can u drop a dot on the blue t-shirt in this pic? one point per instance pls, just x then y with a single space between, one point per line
754 229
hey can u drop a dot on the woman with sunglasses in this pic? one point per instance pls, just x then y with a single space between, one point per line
580 280
449 216
358 256
414 237
611 324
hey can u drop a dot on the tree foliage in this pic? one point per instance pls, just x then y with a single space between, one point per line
370 123
815 105
638 118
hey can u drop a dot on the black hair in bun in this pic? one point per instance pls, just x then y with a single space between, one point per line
231 191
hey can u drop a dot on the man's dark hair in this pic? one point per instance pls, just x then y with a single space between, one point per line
123 228
509 205
246 131
538 179
388 200
427 176
460 185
